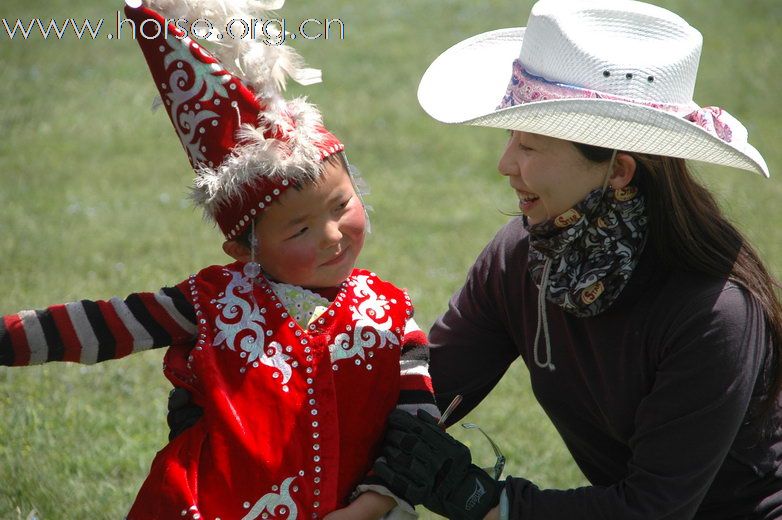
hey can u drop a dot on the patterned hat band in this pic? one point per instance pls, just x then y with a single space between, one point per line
527 88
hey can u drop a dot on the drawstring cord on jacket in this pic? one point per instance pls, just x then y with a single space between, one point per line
543 321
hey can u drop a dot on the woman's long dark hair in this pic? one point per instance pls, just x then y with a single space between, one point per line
689 232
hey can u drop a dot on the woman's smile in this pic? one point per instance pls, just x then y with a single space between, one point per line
527 200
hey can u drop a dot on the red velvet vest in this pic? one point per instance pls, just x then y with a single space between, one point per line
292 417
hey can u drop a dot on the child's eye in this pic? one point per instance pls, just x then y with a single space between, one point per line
299 232
344 204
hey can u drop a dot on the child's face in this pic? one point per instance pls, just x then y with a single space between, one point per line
311 237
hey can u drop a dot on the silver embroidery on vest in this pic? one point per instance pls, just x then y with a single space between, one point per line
246 322
370 329
274 503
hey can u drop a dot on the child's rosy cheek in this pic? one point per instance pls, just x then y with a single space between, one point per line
355 219
300 255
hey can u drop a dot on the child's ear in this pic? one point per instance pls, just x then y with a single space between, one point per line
236 250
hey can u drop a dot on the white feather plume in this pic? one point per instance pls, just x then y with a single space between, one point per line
263 63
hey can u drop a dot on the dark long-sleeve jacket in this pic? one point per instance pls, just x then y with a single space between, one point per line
653 397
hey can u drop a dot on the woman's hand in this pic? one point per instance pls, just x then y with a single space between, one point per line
368 506
425 465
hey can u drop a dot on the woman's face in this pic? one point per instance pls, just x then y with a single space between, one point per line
549 175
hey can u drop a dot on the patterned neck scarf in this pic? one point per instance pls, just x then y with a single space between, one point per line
583 258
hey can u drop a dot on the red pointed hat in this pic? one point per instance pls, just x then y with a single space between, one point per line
246 143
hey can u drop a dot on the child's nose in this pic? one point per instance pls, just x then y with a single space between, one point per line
331 234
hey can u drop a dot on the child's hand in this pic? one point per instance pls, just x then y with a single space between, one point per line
368 506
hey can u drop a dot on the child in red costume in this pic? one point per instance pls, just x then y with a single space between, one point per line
295 356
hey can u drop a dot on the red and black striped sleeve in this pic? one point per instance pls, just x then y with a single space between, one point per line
93 331
415 391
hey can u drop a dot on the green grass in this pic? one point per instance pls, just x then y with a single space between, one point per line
92 205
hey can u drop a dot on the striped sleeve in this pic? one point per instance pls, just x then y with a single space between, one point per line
89 332
415 390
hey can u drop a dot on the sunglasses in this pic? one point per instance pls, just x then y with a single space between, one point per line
499 465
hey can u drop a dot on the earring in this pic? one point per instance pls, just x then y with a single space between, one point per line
253 268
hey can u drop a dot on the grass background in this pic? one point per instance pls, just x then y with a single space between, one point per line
92 204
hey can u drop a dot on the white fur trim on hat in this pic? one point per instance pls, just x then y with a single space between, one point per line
296 159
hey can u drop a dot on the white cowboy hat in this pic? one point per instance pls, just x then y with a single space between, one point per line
618 74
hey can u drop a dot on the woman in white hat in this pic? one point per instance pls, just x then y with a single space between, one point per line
650 327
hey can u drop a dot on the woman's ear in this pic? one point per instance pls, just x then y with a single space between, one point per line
624 170
237 250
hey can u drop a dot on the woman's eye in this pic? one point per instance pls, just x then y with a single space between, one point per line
344 204
521 145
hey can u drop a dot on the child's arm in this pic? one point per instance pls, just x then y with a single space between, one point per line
415 393
368 506
92 331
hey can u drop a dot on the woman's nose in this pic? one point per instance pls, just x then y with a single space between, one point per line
507 166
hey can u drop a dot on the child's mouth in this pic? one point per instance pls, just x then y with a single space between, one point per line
337 259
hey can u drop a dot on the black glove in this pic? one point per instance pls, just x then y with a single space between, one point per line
425 465
182 413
